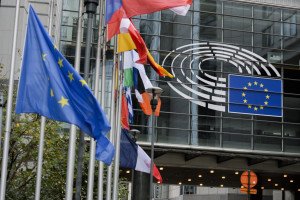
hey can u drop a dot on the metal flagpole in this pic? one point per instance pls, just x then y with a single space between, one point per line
118 134
72 138
42 129
112 119
9 106
96 93
91 7
103 42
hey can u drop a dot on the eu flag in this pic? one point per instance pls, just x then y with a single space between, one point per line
254 95
51 87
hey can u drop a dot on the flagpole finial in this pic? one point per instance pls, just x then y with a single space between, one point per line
91 6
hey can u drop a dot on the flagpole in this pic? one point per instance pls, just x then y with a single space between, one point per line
42 129
102 39
112 118
91 172
91 7
9 106
118 133
72 137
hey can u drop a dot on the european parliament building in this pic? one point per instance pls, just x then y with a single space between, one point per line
211 129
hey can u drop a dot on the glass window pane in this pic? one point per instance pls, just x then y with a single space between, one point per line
211 139
291 130
291 115
242 24
210 19
172 136
237 126
267 128
237 9
292 146
237 37
210 6
237 141
267 143
265 12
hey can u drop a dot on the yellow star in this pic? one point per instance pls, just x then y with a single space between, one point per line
267 97
55 47
261 85
245 88
83 82
249 84
266 90
249 106
44 56
245 101
255 108
255 83
51 93
243 94
63 102
266 103
70 75
60 62
261 107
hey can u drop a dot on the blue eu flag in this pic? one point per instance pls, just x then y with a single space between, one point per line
50 86
254 95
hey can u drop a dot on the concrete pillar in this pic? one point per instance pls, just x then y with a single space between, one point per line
140 186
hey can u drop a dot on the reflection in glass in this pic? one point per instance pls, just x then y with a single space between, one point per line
267 143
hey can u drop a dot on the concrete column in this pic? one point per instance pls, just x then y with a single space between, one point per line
140 186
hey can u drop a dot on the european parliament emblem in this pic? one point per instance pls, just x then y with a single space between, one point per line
254 95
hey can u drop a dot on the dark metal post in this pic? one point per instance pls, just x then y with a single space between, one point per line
248 189
153 103
91 7
140 186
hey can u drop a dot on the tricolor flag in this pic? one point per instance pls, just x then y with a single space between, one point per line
134 157
51 87
124 113
141 83
130 39
118 9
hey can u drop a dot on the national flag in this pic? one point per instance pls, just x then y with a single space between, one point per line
141 83
51 87
125 43
124 113
118 9
129 104
255 95
134 157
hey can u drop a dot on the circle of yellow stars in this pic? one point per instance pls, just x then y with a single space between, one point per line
63 101
254 85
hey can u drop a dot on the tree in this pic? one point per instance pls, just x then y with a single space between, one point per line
23 154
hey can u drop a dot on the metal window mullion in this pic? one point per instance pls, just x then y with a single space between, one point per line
222 70
252 43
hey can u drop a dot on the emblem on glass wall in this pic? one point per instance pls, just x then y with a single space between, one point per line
225 77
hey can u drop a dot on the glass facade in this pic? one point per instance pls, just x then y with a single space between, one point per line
270 32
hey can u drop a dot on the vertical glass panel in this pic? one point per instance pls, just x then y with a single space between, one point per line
211 139
208 123
210 6
237 9
291 130
237 141
291 115
209 34
292 145
71 5
242 24
267 40
266 12
236 126
237 37
210 19
172 136
291 57
267 143
267 128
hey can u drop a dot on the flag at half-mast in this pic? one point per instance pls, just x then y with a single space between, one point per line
134 157
51 87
